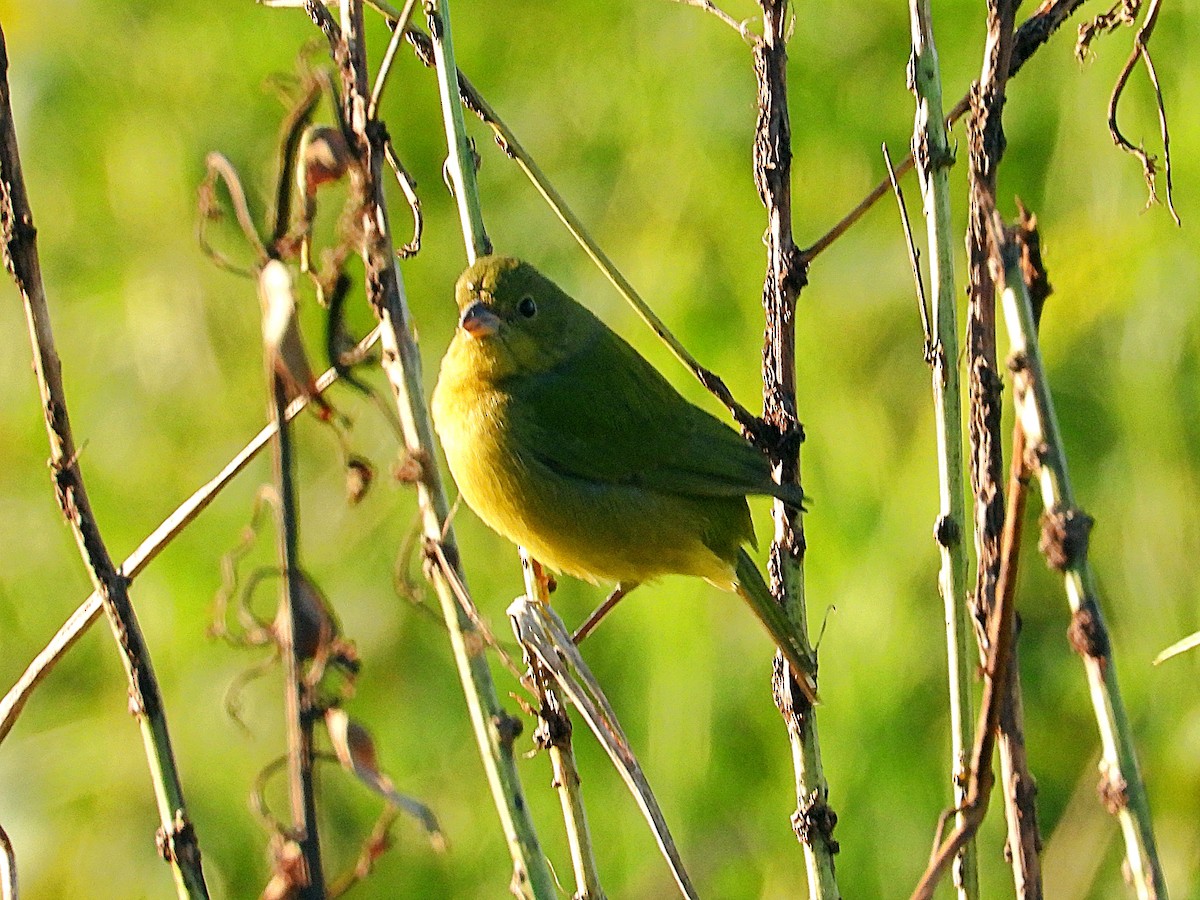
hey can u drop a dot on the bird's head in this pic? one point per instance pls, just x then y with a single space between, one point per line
515 320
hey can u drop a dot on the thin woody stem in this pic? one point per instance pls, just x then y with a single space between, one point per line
298 699
1033 33
931 149
813 820
177 837
1065 533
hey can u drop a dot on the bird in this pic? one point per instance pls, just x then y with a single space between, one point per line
565 440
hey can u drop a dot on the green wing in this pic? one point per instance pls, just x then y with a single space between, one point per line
607 415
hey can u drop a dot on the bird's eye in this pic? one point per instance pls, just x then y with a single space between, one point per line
527 307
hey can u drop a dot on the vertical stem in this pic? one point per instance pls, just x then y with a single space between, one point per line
298 699
460 163
933 157
176 836
1065 533
494 729
785 276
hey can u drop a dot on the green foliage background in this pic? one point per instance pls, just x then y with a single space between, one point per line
642 113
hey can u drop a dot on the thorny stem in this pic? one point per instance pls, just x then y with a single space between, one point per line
785 276
931 149
494 729
1064 539
177 837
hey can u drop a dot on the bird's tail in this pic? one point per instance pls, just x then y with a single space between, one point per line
795 650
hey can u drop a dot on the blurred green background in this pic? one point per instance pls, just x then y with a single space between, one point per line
642 113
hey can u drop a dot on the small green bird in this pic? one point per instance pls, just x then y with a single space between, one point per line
566 441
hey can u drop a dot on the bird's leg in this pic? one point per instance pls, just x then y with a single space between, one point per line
622 588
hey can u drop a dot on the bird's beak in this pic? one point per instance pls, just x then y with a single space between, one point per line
478 321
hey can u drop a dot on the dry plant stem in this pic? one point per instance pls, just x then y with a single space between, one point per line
1141 50
494 728
985 138
1121 781
931 149
785 276
1024 842
543 635
513 148
554 732
1033 33
88 611
999 665
399 27
177 837
985 142
298 694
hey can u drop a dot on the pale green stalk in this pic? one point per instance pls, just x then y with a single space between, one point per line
1121 781
460 167
460 163
402 365
932 152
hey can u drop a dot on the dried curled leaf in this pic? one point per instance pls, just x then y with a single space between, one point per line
355 749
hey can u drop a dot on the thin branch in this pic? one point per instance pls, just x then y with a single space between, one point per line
219 168
814 819
1191 642
176 838
385 67
544 636
914 255
291 132
931 149
8 868
742 27
298 693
